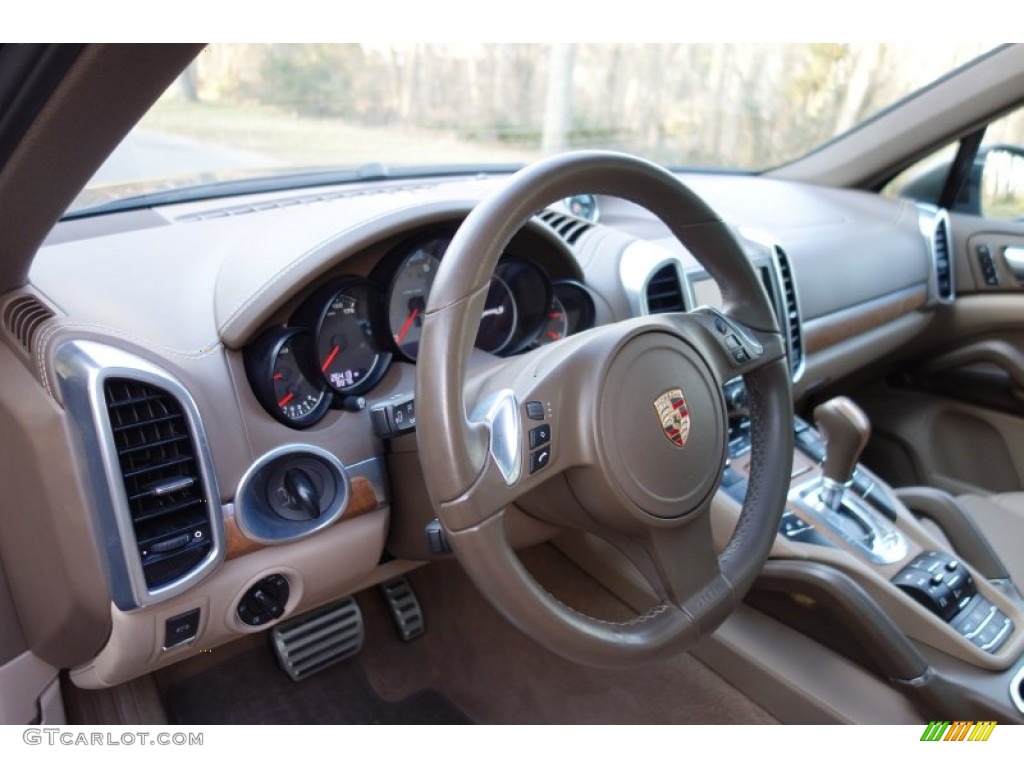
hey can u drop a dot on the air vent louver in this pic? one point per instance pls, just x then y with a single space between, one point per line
23 317
162 480
792 312
569 228
664 291
943 264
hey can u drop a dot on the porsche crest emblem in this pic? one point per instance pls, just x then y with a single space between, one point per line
674 415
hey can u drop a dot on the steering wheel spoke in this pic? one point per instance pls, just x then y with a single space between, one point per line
730 347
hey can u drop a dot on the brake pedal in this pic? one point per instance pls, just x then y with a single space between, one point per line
314 641
405 608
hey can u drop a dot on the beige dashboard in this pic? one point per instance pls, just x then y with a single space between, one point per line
173 297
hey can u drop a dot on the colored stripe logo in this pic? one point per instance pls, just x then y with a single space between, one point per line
958 730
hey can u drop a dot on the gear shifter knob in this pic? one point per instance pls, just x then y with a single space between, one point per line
845 429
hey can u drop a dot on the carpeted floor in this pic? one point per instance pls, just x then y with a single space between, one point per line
470 666
251 689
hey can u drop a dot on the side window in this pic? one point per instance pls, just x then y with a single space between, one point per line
995 187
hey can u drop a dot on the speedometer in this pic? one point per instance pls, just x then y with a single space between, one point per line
407 297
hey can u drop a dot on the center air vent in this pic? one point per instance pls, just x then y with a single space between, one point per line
791 313
162 480
664 292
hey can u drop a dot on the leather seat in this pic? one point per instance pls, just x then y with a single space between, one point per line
1001 519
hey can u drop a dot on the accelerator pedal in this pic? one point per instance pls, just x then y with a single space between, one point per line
314 641
405 608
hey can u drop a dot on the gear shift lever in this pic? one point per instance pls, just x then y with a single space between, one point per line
845 429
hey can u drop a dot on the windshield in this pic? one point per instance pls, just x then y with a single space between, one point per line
243 111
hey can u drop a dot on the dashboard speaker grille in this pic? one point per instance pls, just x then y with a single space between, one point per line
664 291
791 306
162 480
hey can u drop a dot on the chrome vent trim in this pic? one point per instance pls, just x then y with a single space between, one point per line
934 225
568 227
790 317
92 376
23 317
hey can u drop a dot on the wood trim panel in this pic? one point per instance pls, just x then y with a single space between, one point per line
823 332
362 500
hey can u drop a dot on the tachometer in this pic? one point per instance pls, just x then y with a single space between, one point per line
274 365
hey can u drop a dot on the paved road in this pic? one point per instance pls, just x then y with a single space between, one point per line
144 155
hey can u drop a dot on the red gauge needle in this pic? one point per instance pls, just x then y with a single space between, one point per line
407 325
554 335
330 358
278 376
285 400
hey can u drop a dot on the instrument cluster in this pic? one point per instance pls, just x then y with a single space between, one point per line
340 341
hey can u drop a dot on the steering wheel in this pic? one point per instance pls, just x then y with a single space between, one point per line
636 422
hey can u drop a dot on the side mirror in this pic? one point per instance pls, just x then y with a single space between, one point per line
1002 182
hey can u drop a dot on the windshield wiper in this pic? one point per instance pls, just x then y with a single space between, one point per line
298 180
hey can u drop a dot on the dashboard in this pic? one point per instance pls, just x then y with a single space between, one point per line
238 378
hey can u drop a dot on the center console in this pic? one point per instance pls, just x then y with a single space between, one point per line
846 538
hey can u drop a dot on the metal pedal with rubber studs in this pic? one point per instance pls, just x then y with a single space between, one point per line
314 641
405 608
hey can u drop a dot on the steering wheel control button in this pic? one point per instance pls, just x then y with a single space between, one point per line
181 629
539 459
740 356
535 410
264 601
540 435
732 342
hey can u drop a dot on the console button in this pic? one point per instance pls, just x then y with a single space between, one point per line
540 435
539 459
535 410
181 629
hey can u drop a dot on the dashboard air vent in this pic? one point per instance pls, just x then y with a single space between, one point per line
569 228
23 317
791 309
942 252
162 480
664 292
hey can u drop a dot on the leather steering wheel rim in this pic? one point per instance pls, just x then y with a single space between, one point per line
461 463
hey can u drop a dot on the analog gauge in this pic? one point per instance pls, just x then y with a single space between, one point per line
347 353
584 206
274 365
571 311
556 324
410 288
498 321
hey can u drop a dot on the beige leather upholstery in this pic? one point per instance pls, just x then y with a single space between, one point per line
1001 518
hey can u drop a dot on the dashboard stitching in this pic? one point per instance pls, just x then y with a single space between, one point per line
52 331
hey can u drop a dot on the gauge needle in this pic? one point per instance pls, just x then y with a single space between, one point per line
407 325
285 400
330 358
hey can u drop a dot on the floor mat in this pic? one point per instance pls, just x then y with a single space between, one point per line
252 689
